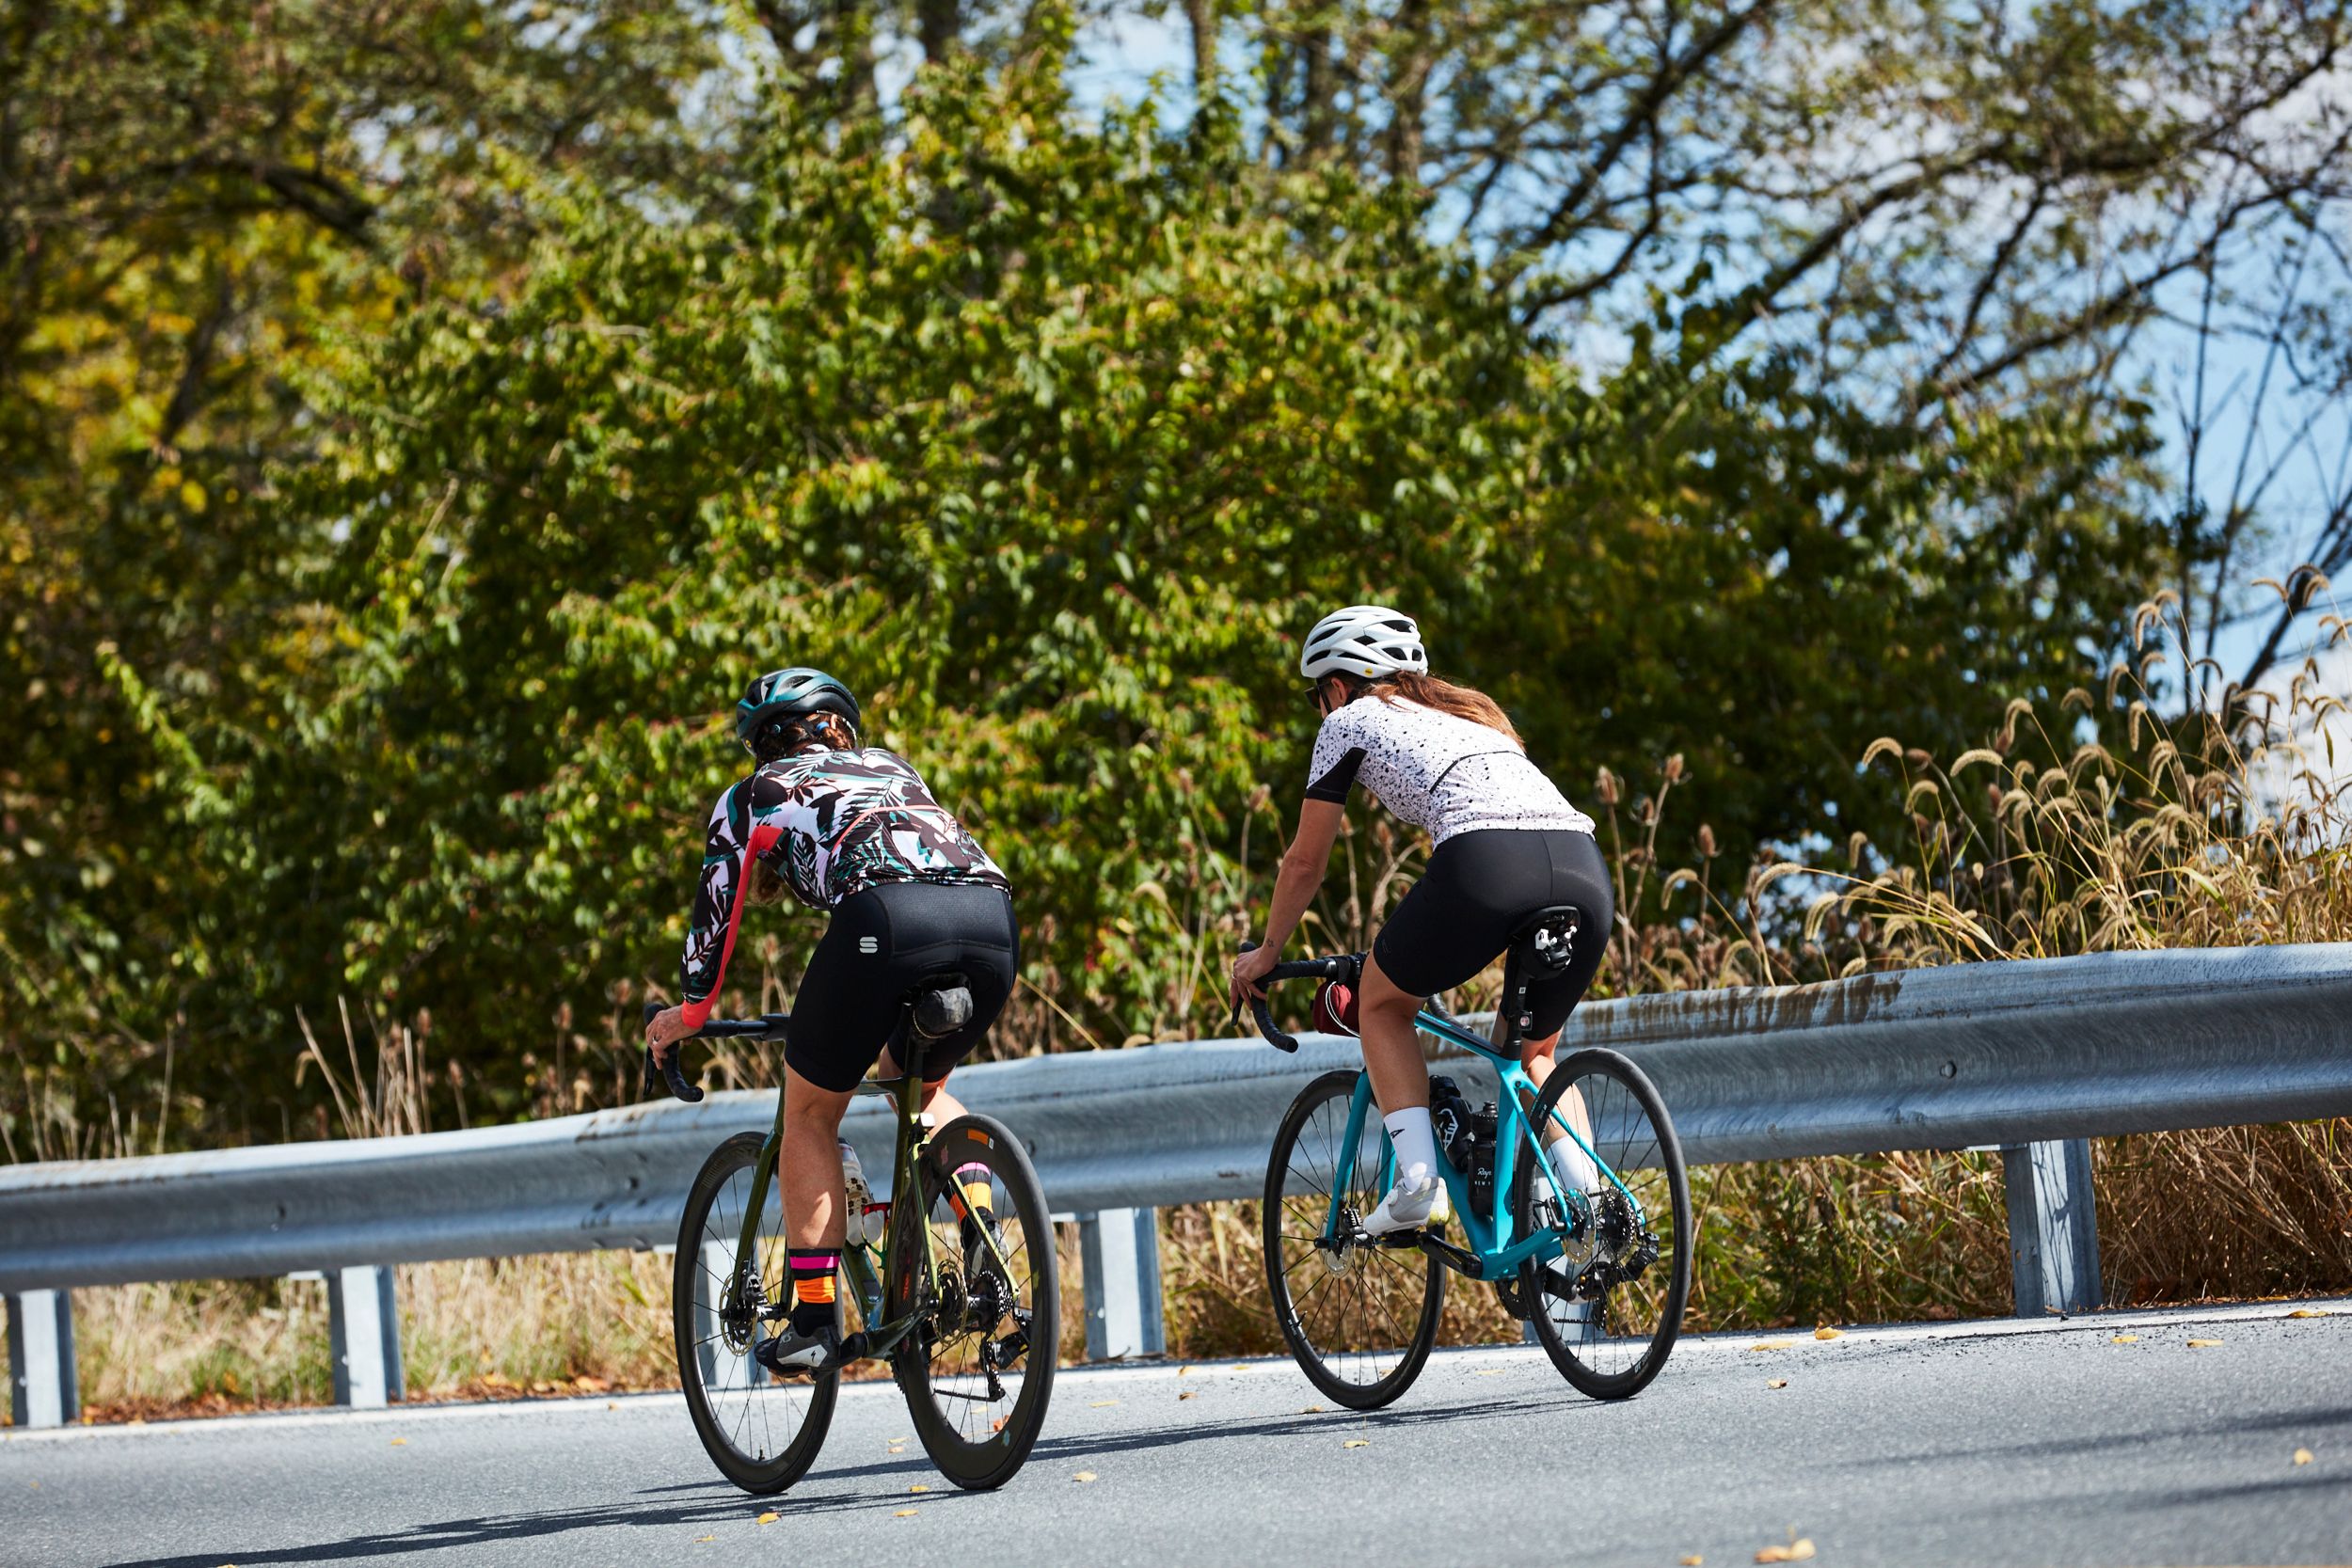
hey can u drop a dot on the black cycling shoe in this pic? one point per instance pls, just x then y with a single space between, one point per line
796 1353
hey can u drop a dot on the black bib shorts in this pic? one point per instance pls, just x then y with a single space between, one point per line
1479 887
880 944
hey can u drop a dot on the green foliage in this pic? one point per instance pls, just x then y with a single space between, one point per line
1050 437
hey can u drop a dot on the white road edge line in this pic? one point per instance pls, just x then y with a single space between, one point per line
1197 1372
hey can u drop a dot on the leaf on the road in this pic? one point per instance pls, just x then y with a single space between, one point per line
1693 1560
1772 1344
2302 1456
1357 1443
918 1488
400 1442
1083 1474
1184 1371
1185 1395
1777 1382
2307 1312
1796 1550
1312 1410
904 1514
1102 1404
1827 1333
1240 1369
612 1405
2125 1339
2201 1345
1490 1371
770 1517
704 1539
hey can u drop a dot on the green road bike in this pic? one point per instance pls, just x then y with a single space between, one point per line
1601 1278
963 1298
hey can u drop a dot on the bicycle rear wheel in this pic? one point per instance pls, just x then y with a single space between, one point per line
978 1375
761 1433
1608 1310
1359 1319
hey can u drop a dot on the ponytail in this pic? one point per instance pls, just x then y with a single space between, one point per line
1429 691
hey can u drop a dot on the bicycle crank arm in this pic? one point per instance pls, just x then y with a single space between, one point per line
1460 1261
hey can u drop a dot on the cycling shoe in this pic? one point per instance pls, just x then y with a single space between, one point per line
1415 1201
793 1353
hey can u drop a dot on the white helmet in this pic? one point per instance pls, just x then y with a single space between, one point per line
1364 639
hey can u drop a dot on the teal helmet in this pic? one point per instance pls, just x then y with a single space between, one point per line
774 701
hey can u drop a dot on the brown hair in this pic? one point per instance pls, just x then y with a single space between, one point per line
766 885
782 738
1429 691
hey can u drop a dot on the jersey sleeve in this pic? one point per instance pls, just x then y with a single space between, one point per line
1331 772
737 833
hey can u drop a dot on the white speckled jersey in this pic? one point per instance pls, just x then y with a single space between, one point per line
832 824
1443 774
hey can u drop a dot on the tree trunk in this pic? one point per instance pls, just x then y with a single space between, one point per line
939 26
1201 14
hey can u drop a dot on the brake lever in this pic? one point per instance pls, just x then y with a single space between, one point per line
673 1074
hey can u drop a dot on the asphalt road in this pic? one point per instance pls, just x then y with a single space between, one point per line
1986 1443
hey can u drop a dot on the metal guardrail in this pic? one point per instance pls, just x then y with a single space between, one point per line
2023 1056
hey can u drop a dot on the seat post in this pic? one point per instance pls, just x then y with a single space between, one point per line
1511 1007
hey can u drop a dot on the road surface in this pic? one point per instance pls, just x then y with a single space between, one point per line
1985 1443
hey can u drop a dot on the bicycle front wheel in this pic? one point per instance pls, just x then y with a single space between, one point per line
1359 1319
979 1374
1608 1310
761 1433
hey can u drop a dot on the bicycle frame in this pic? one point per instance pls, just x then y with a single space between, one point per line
1489 1256
906 1205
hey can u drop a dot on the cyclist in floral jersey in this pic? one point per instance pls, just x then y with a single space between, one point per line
855 831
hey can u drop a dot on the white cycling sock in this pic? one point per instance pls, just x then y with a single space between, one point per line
1416 1144
1575 1167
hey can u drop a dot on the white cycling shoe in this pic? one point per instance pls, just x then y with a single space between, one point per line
1417 1201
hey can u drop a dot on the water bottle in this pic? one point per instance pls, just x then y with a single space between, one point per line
854 1197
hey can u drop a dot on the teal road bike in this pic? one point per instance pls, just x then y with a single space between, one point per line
956 1288
1601 1278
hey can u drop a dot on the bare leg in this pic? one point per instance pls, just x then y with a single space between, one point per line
1536 1057
808 1167
941 1106
1400 1078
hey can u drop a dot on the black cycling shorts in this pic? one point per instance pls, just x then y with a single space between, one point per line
880 944
1478 889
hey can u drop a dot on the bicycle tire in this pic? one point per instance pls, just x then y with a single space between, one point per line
707 1348
975 1449
1651 1164
1294 1220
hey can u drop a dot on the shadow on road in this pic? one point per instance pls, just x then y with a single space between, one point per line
714 1502
2312 1420
846 1492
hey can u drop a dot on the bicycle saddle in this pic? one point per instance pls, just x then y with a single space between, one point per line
1546 941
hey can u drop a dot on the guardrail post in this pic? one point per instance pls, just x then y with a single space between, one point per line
2053 1227
363 1320
1121 1251
44 1390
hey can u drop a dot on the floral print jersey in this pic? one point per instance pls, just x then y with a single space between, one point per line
832 824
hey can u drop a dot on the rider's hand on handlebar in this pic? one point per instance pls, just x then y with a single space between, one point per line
1249 969
663 1031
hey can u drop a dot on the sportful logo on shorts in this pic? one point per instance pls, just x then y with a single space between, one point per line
867 945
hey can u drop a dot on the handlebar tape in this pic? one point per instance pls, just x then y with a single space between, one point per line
672 1073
